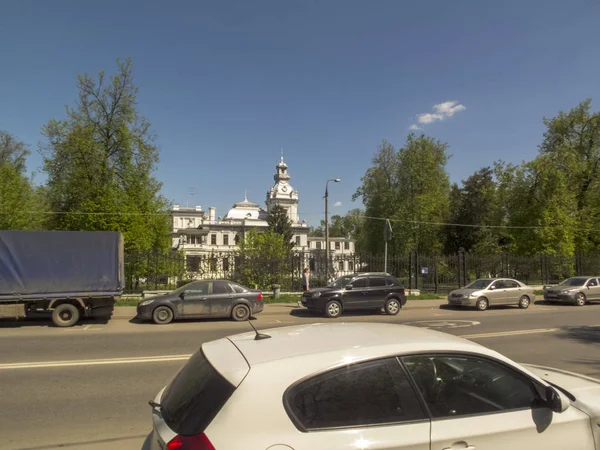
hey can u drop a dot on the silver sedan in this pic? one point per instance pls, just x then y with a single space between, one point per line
487 292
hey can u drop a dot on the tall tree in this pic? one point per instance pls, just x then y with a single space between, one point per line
263 259
21 203
279 222
411 187
100 162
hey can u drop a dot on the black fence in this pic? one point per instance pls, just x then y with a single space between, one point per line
436 274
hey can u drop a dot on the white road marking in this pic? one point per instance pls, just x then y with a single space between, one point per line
444 323
509 333
94 362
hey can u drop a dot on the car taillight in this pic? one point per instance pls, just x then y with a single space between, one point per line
198 442
259 297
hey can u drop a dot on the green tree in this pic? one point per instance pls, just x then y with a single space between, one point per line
100 162
21 203
264 259
411 187
279 222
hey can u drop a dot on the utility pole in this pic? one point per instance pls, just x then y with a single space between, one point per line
335 180
387 234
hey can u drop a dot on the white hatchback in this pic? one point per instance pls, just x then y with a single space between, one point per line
369 386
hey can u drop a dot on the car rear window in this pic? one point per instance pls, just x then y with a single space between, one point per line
195 396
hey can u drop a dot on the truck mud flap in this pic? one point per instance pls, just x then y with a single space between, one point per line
101 311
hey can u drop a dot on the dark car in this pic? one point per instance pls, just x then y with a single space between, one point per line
215 298
373 290
575 290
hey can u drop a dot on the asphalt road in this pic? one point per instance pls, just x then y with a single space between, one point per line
88 387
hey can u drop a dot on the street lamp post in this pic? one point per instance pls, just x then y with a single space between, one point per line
335 180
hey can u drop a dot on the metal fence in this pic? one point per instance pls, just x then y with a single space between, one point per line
429 273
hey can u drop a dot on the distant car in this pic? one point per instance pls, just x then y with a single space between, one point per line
372 290
369 386
487 292
575 290
215 298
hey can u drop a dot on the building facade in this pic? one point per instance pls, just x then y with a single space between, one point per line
203 236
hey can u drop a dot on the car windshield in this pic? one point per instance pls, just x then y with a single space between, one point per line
341 281
479 284
573 282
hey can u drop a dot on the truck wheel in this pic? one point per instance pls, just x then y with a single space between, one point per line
162 315
65 315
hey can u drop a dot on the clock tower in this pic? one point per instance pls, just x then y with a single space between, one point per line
282 193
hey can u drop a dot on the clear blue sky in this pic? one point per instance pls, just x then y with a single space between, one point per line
226 84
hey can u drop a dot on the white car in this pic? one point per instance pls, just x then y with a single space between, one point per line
369 386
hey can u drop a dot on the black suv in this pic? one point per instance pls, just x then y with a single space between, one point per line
372 290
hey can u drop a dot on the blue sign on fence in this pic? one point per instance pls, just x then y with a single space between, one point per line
424 270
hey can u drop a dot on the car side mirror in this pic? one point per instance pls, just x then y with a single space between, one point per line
556 400
348 287
492 288
182 295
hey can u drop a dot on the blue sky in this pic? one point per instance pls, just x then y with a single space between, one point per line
226 84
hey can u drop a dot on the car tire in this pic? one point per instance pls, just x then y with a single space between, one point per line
482 304
392 306
65 315
162 315
240 313
333 309
524 302
580 299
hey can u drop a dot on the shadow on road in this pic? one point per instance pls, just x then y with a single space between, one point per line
43 321
303 312
228 320
594 364
585 334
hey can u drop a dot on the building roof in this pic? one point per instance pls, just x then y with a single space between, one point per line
245 210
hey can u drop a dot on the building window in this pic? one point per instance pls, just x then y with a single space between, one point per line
236 239
213 264
225 239
341 266
213 239
297 240
318 245
346 245
350 266
337 245
192 263
225 264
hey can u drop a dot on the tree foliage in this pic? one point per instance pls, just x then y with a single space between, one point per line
279 222
264 258
21 203
100 162
411 187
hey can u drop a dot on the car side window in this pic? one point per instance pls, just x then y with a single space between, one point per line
498 285
509 284
593 282
369 393
198 288
237 288
220 287
377 281
360 283
454 386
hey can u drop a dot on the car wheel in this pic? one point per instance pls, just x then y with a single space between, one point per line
65 315
580 299
392 306
240 313
333 309
482 304
162 315
524 302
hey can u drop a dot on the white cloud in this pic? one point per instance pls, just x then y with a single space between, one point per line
337 204
441 111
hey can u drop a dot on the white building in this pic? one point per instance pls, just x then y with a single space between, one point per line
204 236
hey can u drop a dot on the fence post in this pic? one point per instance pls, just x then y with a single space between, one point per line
410 271
417 271
435 275
464 269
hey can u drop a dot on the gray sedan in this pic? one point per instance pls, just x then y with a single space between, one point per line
199 299
574 290
487 292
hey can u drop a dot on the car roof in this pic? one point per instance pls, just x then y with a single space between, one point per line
332 340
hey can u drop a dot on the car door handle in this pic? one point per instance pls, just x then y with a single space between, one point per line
461 445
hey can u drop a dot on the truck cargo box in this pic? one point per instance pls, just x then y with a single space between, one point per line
59 263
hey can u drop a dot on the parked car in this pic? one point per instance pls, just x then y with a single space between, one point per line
369 386
215 298
487 292
574 290
372 290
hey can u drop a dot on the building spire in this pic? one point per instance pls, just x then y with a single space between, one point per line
281 153
245 195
